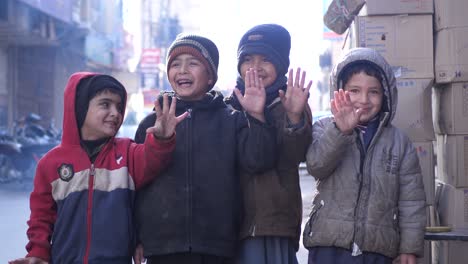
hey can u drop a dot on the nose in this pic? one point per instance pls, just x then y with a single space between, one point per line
256 64
114 110
364 98
183 67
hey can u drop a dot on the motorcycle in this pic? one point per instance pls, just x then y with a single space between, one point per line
9 148
21 153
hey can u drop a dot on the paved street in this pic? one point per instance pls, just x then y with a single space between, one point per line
14 208
308 190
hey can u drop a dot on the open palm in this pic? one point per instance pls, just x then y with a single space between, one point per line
254 98
166 121
346 117
296 96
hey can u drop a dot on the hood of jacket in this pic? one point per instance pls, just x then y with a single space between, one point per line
71 134
388 77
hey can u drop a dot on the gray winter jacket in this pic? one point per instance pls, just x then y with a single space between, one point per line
367 200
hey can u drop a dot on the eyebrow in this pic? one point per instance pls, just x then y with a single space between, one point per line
106 99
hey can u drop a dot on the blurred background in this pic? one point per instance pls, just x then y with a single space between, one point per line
43 42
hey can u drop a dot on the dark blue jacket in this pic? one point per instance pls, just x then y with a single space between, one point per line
195 205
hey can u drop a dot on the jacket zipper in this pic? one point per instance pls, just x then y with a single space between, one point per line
363 159
89 212
254 223
362 152
189 176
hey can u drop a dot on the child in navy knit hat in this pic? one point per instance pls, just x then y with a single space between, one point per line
272 203
192 213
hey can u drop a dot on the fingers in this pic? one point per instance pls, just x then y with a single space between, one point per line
248 78
297 81
157 108
181 117
252 81
282 95
333 107
337 99
165 103
173 107
290 78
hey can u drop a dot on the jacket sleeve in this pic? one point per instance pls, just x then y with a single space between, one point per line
295 142
42 219
411 204
328 145
149 159
256 148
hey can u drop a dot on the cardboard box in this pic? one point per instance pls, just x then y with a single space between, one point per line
450 13
406 41
452 160
451 252
425 152
386 7
452 206
451 55
414 109
452 117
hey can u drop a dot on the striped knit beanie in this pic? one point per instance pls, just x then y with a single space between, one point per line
200 47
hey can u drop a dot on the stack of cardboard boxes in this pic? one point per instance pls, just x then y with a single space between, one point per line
451 122
426 42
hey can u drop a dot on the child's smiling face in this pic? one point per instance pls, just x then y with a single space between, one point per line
366 93
104 116
189 77
266 70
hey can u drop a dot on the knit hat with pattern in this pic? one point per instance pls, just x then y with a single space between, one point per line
200 47
270 40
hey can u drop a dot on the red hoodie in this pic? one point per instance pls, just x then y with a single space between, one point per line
82 212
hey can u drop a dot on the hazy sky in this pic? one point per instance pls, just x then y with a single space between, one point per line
226 21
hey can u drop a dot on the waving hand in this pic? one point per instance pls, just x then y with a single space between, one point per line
166 121
296 96
346 117
254 98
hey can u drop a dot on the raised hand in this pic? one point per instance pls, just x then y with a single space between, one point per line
346 117
296 96
29 260
254 98
166 121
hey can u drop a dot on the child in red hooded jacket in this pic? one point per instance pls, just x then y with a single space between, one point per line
83 197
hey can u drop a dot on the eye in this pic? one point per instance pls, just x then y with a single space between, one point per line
105 104
175 64
247 59
375 92
194 63
353 90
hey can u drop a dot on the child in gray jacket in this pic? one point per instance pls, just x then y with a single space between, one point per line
370 201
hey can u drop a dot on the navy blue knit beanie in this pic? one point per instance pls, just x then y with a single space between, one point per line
200 47
270 40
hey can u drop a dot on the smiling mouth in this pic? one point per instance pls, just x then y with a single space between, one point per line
184 82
